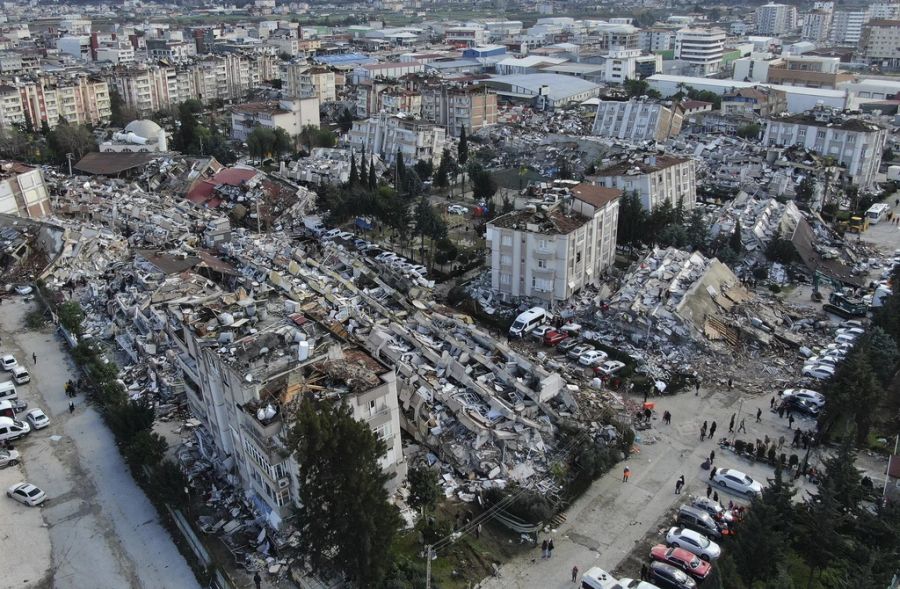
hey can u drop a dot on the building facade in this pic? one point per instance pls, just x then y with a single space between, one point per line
846 27
703 49
655 178
455 109
23 192
880 44
775 19
817 26
551 254
854 143
79 99
385 134
636 120
291 115
300 80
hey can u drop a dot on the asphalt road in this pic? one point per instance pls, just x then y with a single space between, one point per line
97 529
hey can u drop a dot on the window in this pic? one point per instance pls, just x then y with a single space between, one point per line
541 263
506 260
577 257
506 240
505 278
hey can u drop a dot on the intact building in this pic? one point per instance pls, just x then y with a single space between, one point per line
551 254
856 144
636 120
470 108
880 43
655 178
846 27
703 49
817 26
291 115
775 19
385 134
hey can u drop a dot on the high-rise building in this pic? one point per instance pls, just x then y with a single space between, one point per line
655 178
701 48
880 43
775 19
817 26
846 27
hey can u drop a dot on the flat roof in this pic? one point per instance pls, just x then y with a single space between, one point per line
645 165
596 196
552 222
736 84
109 163
560 86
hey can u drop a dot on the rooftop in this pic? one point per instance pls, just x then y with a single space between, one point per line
552 222
644 165
835 122
596 196
559 86
270 108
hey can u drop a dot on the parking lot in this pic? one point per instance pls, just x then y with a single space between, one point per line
97 528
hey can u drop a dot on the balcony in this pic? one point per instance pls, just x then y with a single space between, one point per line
264 433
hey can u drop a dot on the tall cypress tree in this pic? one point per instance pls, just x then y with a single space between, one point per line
363 174
354 176
373 180
462 152
400 171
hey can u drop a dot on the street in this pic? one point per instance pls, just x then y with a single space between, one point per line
97 528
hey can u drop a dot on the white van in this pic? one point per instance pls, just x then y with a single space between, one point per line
527 321
8 391
20 375
12 429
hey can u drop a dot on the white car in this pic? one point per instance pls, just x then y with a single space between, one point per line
457 210
37 419
592 357
331 234
827 360
609 367
818 371
814 397
737 481
694 542
23 289
857 331
8 458
540 331
846 338
852 323
836 350
8 362
26 493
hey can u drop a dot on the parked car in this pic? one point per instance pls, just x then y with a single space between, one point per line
540 331
818 371
693 542
20 375
845 338
857 331
330 234
8 458
683 559
665 576
592 357
551 338
698 520
737 481
37 419
23 289
805 394
568 344
608 368
576 352
852 323
827 360
13 429
8 362
802 406
26 493
715 510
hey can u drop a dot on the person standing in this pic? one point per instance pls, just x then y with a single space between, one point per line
703 431
758 415
678 487
716 496
71 407
708 491
478 532
730 383
742 427
626 474
731 423
574 574
645 572
550 548
34 358
712 456
712 430
772 403
544 548
791 421
257 580
697 388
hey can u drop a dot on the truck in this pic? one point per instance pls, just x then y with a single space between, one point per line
845 306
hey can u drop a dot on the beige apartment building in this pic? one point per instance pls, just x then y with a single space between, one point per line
655 178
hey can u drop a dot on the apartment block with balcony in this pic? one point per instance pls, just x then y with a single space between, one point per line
636 120
552 253
701 49
244 392
809 71
301 80
385 135
79 99
655 178
816 26
855 143
775 19
457 108
879 44
291 115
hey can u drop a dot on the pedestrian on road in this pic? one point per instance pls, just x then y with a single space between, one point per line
550 548
703 432
678 484
712 472
625 474
758 415
708 491
645 572
772 403
34 358
780 442
71 407
730 384
667 417
731 423
791 421
696 388
780 411
544 548
712 456
478 532
257 579
742 427
796 441
716 496
574 574
712 430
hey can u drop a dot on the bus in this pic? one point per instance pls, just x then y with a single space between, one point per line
877 212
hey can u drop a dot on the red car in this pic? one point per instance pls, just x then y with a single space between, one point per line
681 559
551 338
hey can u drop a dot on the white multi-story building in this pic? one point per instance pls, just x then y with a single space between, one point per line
846 27
300 79
880 43
471 35
121 54
655 178
551 254
500 30
701 48
636 120
653 40
78 46
621 65
79 99
775 19
385 134
817 26
884 11
854 143
23 192
291 115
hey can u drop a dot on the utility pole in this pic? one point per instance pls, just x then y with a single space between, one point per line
738 419
887 472
69 157
428 554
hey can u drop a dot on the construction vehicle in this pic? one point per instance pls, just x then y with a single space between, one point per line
844 223
858 224
845 306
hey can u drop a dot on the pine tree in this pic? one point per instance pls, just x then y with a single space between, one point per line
462 151
373 180
354 176
400 171
363 173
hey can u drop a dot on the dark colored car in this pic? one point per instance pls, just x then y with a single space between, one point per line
665 576
681 559
551 338
801 406
568 344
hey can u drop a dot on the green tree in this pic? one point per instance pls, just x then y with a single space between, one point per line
346 121
441 177
146 448
75 139
311 136
185 138
399 170
462 150
806 188
71 316
424 489
734 242
883 354
853 395
781 250
261 142
283 142
697 230
636 88
343 512
128 419
632 219
354 176
424 168
483 185
373 180
363 170
749 131
167 483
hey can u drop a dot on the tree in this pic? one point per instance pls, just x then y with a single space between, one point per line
363 171
853 393
71 316
734 242
185 138
343 512
346 121
750 131
75 139
636 88
697 230
883 354
806 188
781 250
283 142
373 180
128 419
121 114
311 136
146 448
260 142
483 185
354 176
424 490
462 150
441 177
424 168
563 171
632 217
399 170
